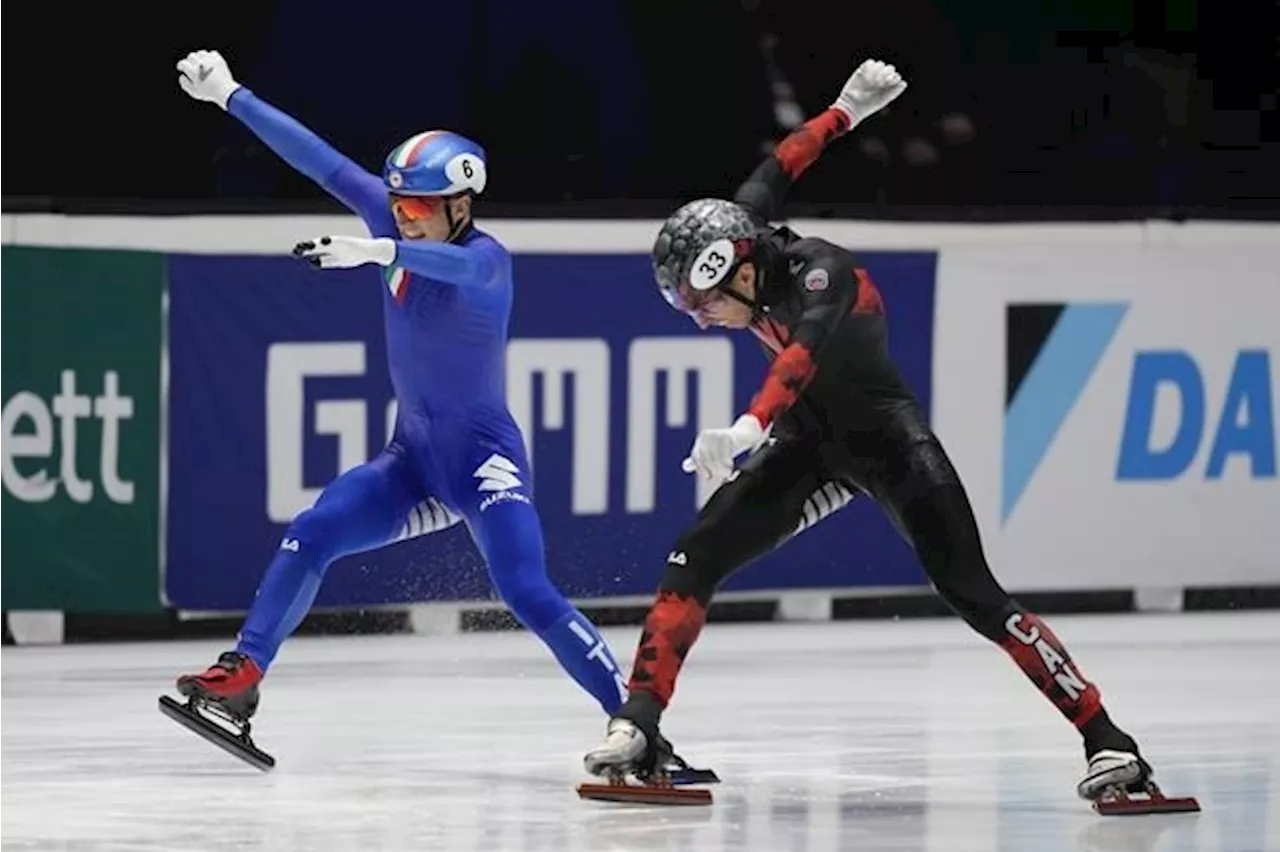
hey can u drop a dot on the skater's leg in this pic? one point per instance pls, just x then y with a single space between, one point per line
362 509
919 488
507 530
746 518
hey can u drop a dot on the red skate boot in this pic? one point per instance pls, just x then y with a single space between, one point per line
220 701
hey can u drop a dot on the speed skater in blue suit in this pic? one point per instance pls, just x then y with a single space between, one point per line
456 454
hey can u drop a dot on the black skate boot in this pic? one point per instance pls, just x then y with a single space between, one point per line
1118 779
220 702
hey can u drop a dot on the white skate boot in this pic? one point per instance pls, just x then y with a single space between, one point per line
622 750
625 754
1119 782
1109 768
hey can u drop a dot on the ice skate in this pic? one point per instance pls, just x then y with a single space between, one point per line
658 773
622 751
1119 783
677 769
220 702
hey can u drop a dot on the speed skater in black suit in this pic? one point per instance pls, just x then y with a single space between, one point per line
833 419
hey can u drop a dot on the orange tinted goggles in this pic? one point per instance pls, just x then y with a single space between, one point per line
415 207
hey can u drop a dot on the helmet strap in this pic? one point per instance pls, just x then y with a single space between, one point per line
757 310
457 228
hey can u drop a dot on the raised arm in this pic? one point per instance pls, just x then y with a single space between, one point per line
204 75
872 86
763 193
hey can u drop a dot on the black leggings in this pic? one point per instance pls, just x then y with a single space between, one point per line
791 484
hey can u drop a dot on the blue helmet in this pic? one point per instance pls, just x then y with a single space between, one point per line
436 162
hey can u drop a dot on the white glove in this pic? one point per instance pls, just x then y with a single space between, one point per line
869 90
204 75
346 252
715 449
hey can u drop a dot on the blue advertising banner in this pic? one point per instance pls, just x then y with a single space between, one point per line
278 382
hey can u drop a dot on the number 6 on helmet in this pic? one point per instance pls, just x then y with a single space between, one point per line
436 162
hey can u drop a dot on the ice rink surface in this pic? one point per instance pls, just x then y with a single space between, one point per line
908 735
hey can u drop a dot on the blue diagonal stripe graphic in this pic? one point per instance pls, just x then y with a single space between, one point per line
1050 390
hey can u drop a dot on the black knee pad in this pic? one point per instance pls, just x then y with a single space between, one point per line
692 566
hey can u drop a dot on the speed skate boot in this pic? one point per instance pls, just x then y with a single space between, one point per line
220 702
231 685
634 745
633 748
625 750
1118 779
1110 768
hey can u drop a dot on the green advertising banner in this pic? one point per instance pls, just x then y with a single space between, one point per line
82 332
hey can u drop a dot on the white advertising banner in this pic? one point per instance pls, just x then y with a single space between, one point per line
1113 410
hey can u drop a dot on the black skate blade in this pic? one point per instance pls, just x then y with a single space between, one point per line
689 775
643 794
1151 801
241 746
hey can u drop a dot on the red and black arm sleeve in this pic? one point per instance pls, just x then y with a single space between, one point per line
830 288
763 192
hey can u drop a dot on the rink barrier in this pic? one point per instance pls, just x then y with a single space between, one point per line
609 393
82 337
1118 425
54 627
275 235
964 255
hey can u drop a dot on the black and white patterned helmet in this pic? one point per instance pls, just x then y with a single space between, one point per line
698 248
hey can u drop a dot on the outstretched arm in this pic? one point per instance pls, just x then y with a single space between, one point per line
465 266
869 89
205 76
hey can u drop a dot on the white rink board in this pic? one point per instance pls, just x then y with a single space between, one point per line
1207 288
269 234
1099 511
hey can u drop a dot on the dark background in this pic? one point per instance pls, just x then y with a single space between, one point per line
1016 108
